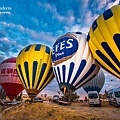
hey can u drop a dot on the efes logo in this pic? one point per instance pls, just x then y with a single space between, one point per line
64 48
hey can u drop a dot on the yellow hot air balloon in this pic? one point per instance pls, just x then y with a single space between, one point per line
104 40
34 67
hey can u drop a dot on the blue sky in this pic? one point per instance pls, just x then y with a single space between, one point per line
26 22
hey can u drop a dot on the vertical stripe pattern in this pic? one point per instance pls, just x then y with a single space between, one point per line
96 83
79 68
34 67
104 40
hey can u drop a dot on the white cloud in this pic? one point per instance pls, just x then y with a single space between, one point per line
71 19
89 18
110 81
85 4
20 27
4 40
75 28
59 33
44 36
68 19
102 4
47 7
36 36
12 25
106 4
111 4
78 28
109 75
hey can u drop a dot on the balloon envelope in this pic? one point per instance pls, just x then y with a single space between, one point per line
96 83
9 78
34 67
72 61
104 40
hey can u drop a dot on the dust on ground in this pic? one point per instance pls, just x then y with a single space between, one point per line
52 111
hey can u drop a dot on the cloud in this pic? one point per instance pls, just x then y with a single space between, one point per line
29 35
1 57
19 37
4 40
102 4
59 33
84 4
77 28
44 22
106 4
89 18
51 88
111 4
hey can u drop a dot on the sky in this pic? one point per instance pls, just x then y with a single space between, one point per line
25 22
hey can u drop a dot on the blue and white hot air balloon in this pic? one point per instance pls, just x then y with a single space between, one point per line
72 62
96 83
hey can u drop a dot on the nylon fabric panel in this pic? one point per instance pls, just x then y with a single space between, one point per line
47 60
48 79
70 71
106 60
21 76
102 63
107 31
96 83
92 68
110 53
56 75
27 72
41 74
63 72
47 82
105 68
116 38
93 88
80 69
59 75
37 48
39 57
37 61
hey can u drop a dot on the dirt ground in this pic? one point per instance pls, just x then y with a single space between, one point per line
51 111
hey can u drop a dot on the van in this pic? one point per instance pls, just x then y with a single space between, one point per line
114 96
94 98
55 98
37 100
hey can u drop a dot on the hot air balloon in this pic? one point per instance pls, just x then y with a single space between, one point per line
104 40
2 93
9 78
96 83
73 64
34 67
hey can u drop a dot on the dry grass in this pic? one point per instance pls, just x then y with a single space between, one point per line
50 111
